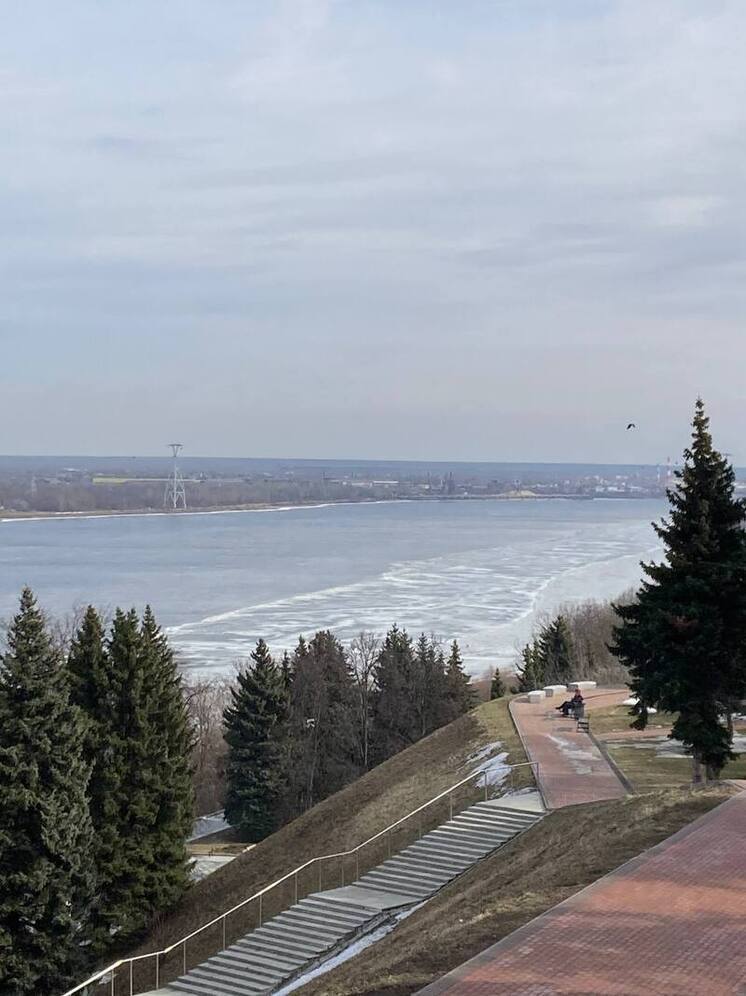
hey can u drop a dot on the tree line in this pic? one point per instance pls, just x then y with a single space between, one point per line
96 799
303 727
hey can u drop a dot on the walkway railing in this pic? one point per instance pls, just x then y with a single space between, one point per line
143 973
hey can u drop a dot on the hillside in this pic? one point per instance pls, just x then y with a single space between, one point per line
380 797
568 850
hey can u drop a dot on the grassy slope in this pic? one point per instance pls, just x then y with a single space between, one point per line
642 766
570 849
341 821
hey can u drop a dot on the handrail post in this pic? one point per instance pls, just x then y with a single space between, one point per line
183 948
224 919
295 880
388 839
158 971
450 805
113 976
357 864
261 896
132 988
319 876
485 786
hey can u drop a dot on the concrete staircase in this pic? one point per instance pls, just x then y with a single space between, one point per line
324 923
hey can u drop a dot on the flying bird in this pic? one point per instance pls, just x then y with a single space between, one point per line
631 426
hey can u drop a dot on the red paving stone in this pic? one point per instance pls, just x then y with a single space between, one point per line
571 768
671 922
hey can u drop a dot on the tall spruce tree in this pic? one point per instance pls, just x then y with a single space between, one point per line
171 742
255 731
530 670
46 879
394 709
684 639
556 653
429 690
459 694
497 687
323 728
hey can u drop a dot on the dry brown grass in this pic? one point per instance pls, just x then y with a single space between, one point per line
344 820
568 850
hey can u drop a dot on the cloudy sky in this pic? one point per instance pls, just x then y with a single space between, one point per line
484 229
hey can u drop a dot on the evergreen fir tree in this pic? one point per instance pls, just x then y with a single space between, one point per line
286 671
459 694
428 690
255 733
323 721
123 831
394 711
530 671
555 652
46 880
497 688
684 638
171 743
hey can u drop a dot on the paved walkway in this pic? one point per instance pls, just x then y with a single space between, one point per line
671 922
571 768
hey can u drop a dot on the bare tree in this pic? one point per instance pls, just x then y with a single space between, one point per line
363 652
206 699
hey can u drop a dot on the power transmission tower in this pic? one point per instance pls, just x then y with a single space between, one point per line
174 497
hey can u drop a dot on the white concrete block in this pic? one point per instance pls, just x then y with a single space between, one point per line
584 686
535 696
551 690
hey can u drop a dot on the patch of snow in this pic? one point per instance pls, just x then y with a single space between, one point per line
205 825
666 747
633 702
579 758
490 761
206 864
349 952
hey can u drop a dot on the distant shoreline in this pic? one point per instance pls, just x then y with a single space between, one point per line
19 516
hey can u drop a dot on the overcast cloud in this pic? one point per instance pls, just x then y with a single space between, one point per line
423 229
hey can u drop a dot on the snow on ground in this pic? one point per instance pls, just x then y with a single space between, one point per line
205 825
579 759
666 747
489 759
350 951
206 864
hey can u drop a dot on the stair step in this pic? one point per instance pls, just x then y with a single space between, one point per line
212 987
340 904
478 833
415 872
484 822
283 962
250 974
291 938
444 850
390 883
295 921
433 860
324 913
505 811
272 949
461 842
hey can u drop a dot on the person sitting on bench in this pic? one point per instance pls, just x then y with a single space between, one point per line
578 705
565 708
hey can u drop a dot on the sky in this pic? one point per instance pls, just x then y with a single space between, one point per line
482 230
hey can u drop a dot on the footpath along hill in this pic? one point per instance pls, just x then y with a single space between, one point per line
347 818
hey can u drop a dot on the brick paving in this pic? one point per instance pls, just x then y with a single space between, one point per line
571 768
671 922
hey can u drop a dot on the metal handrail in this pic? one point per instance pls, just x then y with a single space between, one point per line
111 969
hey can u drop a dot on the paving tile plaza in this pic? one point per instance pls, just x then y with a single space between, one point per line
571 767
671 922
